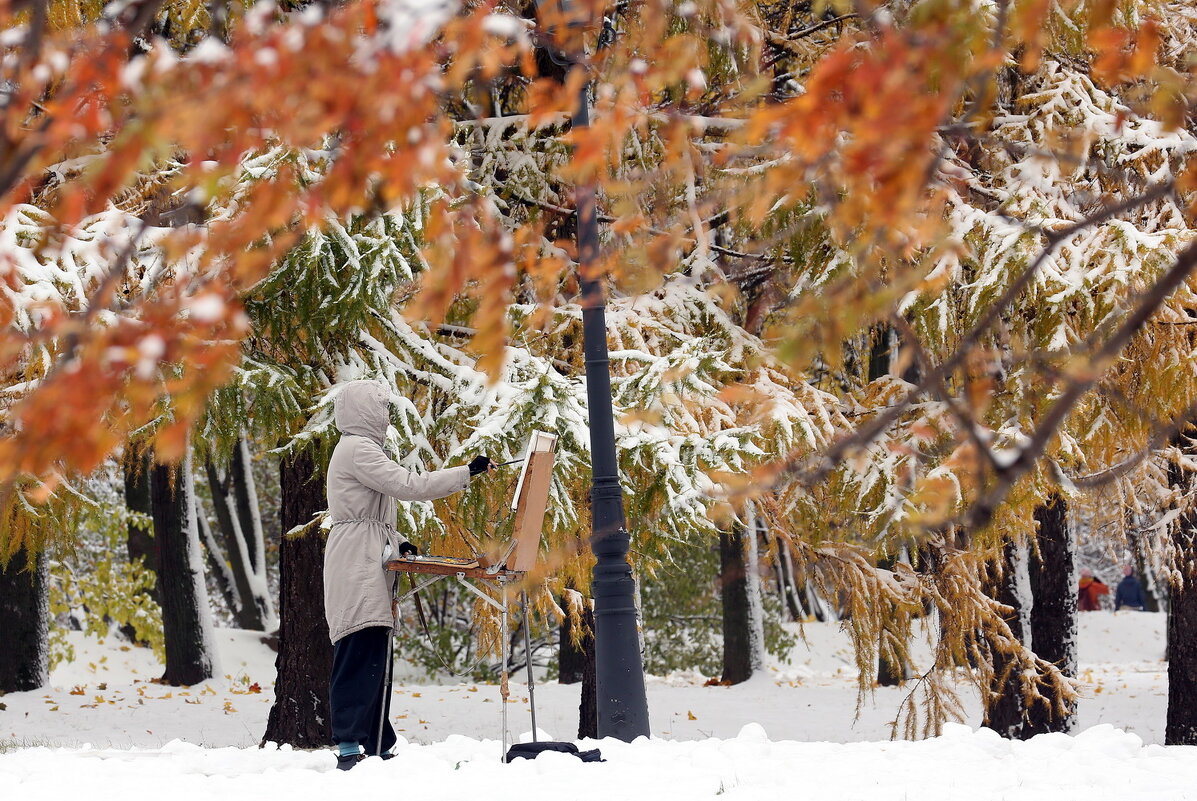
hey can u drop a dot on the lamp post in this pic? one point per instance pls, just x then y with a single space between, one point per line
621 699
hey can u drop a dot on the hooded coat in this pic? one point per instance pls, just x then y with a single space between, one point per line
363 483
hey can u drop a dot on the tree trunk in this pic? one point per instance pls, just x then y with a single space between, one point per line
733 582
1151 602
588 706
571 659
1181 728
1053 607
300 715
186 622
216 564
882 360
791 595
890 672
245 499
138 464
1005 709
25 622
248 611
754 590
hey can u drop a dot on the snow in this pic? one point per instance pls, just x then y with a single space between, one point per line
103 726
505 25
412 23
961 764
1115 649
209 51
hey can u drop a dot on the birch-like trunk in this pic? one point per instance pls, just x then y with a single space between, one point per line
234 498
756 601
1004 707
245 494
235 553
216 564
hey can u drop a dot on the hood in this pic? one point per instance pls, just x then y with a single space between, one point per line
362 408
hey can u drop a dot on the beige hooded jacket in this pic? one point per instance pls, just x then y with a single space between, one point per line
362 485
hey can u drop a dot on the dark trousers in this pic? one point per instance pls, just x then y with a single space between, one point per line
356 690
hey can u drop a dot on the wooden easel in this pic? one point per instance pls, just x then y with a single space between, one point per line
509 567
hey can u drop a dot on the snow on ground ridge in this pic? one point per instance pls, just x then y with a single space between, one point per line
977 765
792 732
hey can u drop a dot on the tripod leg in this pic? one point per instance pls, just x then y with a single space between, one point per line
386 688
528 659
388 669
503 689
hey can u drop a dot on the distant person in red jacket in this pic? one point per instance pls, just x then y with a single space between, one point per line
1091 590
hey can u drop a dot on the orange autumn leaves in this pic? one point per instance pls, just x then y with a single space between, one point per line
373 121
864 130
366 112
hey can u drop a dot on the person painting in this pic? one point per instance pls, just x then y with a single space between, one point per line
1090 591
363 485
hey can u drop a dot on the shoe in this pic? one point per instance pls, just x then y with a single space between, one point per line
388 755
347 762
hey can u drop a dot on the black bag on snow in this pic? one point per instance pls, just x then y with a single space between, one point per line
533 750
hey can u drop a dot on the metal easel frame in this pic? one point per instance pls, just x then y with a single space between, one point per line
517 559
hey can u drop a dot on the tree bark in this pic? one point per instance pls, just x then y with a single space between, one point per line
1144 572
882 361
138 464
571 659
216 565
25 621
588 705
248 611
245 500
1181 728
733 582
186 624
300 714
1053 608
1005 710
890 673
754 590
791 595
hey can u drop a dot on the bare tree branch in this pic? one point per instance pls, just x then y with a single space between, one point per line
962 415
788 43
1184 266
826 462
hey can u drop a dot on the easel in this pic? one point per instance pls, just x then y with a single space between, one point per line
510 567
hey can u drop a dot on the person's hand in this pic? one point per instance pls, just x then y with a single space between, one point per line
408 549
481 464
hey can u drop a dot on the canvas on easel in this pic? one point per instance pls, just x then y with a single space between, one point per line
531 499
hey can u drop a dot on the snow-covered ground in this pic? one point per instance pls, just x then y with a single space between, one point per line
103 727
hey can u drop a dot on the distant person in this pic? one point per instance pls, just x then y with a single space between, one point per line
1130 591
1091 590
